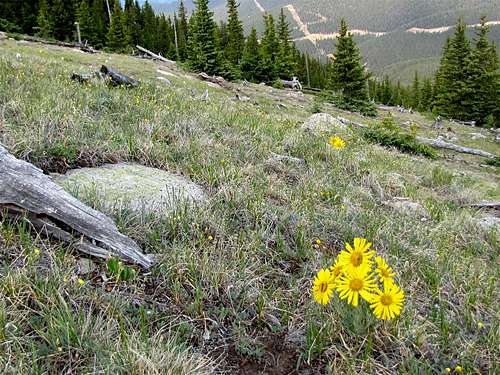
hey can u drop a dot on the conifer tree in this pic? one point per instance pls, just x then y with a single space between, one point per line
131 27
416 92
202 43
452 92
348 75
251 60
426 96
115 37
44 20
101 23
269 48
484 78
233 49
86 22
150 29
286 64
182 32
62 19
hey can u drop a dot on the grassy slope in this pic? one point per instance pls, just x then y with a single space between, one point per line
239 302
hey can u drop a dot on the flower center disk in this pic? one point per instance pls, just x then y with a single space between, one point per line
356 284
386 300
356 259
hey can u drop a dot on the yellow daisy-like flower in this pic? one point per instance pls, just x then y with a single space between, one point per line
357 258
336 142
336 270
323 287
384 271
357 283
387 304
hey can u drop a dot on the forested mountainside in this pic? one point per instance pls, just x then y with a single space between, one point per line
401 36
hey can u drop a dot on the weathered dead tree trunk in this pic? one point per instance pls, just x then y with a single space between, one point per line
217 80
439 143
154 55
26 191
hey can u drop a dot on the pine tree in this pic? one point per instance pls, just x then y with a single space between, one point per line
131 27
269 48
484 78
44 20
426 97
233 49
150 29
182 32
101 23
86 22
416 92
452 92
202 43
62 19
286 64
251 60
115 37
348 75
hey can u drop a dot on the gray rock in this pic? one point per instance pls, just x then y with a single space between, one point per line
324 122
165 80
138 188
407 207
285 158
489 223
477 136
85 266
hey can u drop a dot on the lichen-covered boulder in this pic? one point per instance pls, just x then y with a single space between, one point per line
324 122
132 186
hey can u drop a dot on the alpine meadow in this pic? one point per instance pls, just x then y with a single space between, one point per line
249 187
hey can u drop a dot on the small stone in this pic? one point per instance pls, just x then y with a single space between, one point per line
165 80
85 266
407 207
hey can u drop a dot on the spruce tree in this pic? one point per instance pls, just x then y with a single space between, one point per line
426 96
101 22
131 27
251 60
286 64
44 20
416 92
115 37
86 22
233 49
150 29
202 43
182 32
452 91
484 78
62 19
269 48
348 76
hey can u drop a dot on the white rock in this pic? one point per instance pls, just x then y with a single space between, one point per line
138 188
324 122
489 223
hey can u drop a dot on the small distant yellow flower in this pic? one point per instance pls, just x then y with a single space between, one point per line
318 242
354 284
357 258
447 369
336 142
459 369
323 287
384 271
36 251
387 304
210 238
81 282
480 325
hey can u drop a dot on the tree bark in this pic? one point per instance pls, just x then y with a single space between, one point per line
154 55
26 191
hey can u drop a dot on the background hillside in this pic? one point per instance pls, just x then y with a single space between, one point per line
402 35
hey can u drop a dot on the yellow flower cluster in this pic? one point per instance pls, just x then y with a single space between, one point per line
358 274
336 142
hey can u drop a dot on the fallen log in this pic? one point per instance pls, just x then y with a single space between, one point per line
495 205
26 192
436 143
439 143
154 55
115 78
217 80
